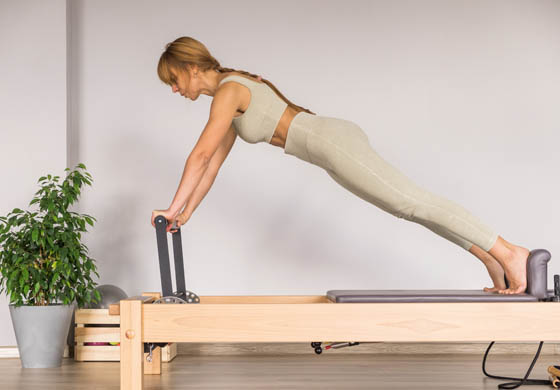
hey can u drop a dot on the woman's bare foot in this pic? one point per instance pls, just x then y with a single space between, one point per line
493 289
513 259
494 268
516 271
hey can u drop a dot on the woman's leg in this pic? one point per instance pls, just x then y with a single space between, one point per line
345 153
494 269
342 148
361 171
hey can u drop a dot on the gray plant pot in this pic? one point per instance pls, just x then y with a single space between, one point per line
41 333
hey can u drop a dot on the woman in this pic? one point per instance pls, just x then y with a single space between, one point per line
244 104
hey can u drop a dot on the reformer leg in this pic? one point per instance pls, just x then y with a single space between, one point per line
132 348
152 351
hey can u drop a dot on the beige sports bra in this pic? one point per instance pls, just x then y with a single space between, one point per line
258 122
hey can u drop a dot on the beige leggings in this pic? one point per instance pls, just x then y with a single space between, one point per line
342 148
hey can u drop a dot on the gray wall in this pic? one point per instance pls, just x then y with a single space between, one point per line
33 107
460 96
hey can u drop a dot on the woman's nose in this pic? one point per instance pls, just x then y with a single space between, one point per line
174 88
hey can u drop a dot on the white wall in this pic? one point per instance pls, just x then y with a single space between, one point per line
33 112
461 96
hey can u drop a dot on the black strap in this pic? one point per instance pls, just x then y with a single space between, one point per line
520 381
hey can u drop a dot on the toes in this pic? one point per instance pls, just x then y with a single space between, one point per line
510 291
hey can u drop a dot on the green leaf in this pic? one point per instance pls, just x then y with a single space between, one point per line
63 253
35 234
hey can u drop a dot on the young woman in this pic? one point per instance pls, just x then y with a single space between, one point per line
244 104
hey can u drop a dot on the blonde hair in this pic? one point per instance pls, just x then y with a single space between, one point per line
185 51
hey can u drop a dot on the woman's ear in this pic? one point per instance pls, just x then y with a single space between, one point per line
192 70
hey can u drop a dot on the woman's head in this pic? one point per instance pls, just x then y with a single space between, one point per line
186 55
182 55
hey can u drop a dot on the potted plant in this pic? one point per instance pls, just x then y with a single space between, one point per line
44 268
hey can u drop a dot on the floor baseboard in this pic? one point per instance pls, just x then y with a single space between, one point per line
13 352
9 352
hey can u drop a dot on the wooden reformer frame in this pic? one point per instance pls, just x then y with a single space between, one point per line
308 318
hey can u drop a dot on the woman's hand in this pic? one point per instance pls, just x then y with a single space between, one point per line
181 220
170 217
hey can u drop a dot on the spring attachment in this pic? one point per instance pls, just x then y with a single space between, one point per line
319 349
150 352
189 297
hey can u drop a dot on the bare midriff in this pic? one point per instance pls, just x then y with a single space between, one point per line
281 132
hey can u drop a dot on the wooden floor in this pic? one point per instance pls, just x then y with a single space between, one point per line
337 371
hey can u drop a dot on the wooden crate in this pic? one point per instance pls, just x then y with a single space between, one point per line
96 325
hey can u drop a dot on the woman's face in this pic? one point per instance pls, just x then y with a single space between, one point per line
179 82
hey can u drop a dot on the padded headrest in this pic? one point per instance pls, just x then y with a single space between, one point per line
537 275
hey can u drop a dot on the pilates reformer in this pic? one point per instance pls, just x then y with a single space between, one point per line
153 320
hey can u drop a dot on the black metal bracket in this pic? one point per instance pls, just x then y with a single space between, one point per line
182 295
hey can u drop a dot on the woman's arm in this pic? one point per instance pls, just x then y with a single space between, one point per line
210 174
199 193
195 168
